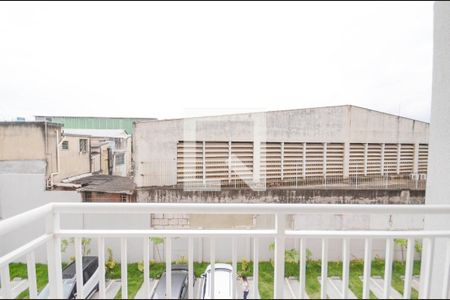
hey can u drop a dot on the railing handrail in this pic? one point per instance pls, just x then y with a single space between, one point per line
17 221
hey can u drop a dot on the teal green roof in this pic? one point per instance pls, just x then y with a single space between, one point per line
94 122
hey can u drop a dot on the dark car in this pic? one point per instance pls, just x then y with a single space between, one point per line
90 266
180 284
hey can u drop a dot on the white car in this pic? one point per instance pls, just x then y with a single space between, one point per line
223 277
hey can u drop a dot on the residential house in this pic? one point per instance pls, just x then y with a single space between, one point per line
110 149
106 188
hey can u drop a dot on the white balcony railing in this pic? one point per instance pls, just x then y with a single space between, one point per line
51 238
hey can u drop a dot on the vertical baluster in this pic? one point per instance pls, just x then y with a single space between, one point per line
324 273
146 258
54 256
31 270
388 268
255 267
79 268
101 267
168 268
124 267
191 267
234 265
213 265
409 268
425 274
302 270
280 225
446 272
345 267
367 267
6 291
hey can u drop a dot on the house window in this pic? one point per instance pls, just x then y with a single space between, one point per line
123 198
83 145
65 145
119 144
120 159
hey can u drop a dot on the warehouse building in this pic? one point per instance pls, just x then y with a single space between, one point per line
278 147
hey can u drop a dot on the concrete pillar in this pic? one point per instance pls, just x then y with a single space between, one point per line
346 159
256 161
282 161
324 159
399 149
259 136
366 154
438 189
382 159
304 160
204 163
416 159
229 161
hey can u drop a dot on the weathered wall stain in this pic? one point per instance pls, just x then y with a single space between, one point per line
312 196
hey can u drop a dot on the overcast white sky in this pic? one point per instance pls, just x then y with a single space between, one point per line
169 60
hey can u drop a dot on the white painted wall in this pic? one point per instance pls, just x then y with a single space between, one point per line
22 187
438 188
20 193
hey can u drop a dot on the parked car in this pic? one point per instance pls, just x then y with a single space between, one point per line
90 266
223 277
179 284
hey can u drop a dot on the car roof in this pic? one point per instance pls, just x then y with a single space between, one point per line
178 278
222 286
70 270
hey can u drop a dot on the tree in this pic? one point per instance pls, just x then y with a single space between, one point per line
403 244
157 241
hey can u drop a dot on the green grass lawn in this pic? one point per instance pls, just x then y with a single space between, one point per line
135 277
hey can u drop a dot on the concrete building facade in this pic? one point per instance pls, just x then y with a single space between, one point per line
332 142
110 150
74 156
31 141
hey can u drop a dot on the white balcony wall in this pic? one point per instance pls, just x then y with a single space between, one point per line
22 187
438 188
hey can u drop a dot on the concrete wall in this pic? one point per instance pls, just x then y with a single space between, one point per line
317 196
303 222
30 141
155 142
72 161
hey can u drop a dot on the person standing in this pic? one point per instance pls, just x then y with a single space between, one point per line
245 287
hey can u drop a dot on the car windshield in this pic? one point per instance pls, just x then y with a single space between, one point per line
68 285
178 279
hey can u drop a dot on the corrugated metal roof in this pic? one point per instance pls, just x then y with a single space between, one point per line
109 133
106 184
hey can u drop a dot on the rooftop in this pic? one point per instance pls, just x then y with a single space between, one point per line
95 117
108 133
349 106
106 184
29 123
